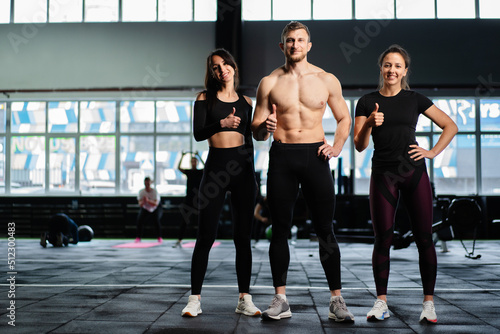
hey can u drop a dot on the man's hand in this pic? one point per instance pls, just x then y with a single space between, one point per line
231 121
327 152
271 121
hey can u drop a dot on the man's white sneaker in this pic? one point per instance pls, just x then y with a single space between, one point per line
247 307
379 311
193 307
428 312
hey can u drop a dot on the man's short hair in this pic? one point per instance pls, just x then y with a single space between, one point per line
294 25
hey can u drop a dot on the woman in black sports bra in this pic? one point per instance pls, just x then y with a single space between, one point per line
223 117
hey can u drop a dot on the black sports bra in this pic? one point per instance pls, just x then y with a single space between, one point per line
207 123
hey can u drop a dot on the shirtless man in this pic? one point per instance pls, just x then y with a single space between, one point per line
291 102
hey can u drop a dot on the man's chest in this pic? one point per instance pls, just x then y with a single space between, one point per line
309 92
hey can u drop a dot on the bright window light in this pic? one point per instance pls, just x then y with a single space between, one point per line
489 9
291 9
65 10
4 11
256 10
415 9
456 9
205 10
369 9
101 10
175 10
138 10
332 10
30 11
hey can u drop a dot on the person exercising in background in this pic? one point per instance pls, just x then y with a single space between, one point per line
189 208
291 102
62 231
149 201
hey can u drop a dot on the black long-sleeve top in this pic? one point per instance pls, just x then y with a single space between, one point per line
206 122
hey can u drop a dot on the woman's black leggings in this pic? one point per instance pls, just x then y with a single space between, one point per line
226 169
415 190
291 165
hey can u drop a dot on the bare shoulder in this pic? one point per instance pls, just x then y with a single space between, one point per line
328 77
274 75
267 82
249 100
201 96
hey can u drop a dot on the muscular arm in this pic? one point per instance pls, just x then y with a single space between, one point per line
262 110
340 112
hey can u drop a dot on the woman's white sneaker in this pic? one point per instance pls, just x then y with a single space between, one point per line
428 312
247 307
379 311
193 307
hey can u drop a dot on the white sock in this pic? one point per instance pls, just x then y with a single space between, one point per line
282 296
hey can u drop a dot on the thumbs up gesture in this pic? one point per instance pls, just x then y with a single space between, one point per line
376 118
271 121
231 121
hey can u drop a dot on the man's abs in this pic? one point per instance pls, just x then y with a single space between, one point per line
300 106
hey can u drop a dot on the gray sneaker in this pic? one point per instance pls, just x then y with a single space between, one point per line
279 309
338 311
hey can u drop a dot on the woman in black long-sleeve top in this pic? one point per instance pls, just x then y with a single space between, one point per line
223 117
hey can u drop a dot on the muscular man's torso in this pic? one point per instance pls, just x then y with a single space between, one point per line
301 102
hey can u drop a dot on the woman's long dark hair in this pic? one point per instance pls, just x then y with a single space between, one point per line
212 85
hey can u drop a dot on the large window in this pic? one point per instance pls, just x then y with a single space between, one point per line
28 117
101 10
98 116
332 10
30 11
254 10
489 9
57 11
27 164
65 10
456 9
109 146
4 11
137 160
53 11
490 145
175 10
411 9
94 147
97 164
381 9
169 150
138 10
62 162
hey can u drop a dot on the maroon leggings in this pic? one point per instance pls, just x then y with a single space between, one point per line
415 190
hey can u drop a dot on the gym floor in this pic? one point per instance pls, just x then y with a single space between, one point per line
94 287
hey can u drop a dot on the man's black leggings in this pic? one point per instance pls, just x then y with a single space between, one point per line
291 165
226 169
414 188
